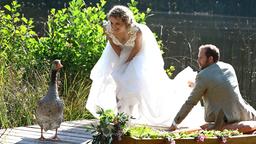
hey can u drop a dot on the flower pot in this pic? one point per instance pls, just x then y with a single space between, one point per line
243 139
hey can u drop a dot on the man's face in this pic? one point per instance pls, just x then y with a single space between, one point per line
202 59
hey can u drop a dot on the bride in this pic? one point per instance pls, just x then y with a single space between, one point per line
129 77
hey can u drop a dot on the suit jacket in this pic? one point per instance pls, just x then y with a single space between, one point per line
217 85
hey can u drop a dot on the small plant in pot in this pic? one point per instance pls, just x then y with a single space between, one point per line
110 126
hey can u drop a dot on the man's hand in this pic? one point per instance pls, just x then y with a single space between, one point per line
191 84
173 128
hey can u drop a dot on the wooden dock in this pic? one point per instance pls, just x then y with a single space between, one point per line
70 132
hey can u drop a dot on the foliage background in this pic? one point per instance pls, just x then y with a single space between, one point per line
73 34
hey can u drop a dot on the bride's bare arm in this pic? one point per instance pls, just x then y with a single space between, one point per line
137 46
116 48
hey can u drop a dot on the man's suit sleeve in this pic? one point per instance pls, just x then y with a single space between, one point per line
195 96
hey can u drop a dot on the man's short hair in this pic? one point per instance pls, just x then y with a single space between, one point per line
211 50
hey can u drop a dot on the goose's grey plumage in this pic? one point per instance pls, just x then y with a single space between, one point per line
49 112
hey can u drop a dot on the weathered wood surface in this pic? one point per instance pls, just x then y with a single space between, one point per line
70 132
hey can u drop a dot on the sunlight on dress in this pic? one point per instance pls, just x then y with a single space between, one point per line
141 87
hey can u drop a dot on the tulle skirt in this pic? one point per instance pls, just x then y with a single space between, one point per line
141 87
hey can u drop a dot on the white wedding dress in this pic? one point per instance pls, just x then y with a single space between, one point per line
141 87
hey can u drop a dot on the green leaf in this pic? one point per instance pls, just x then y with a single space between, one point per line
24 20
8 17
53 11
23 28
16 20
8 7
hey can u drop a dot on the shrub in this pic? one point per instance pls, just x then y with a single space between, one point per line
17 38
17 45
75 36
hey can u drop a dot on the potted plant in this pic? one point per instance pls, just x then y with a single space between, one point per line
109 127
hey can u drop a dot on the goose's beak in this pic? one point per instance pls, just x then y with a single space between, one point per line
59 66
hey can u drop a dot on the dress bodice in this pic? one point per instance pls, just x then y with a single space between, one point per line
132 36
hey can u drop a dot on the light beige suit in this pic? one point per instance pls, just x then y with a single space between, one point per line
217 85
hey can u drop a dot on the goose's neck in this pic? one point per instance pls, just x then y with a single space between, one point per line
53 88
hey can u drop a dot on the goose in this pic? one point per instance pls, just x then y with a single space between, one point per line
49 111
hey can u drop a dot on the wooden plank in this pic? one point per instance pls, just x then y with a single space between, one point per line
62 129
34 138
35 135
14 140
71 132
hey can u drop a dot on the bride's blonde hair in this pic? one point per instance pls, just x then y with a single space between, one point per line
122 12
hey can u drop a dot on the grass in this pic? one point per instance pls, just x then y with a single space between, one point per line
75 95
20 90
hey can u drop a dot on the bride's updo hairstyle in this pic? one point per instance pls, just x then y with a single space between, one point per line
122 12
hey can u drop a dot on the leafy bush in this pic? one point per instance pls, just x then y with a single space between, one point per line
18 41
75 36
17 45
